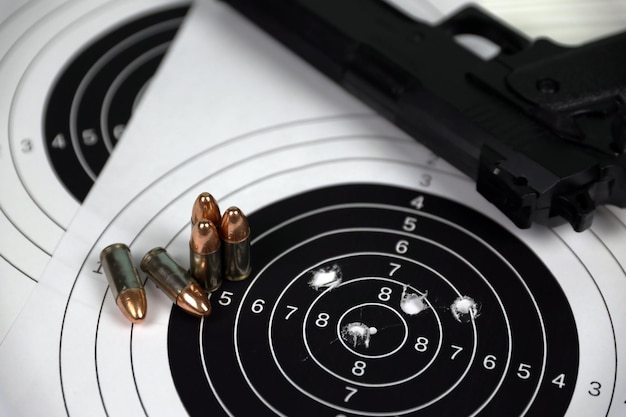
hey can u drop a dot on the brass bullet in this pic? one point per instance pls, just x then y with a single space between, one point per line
124 281
205 207
235 235
205 259
174 281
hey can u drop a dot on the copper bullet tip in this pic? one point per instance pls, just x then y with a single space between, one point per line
205 207
194 300
133 304
205 238
234 227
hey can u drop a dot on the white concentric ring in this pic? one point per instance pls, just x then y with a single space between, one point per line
363 384
500 382
325 261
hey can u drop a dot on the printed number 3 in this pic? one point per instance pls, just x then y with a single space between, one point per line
595 389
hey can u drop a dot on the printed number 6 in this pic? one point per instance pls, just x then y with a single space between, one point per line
402 246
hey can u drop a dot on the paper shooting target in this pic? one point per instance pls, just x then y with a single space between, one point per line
369 296
71 75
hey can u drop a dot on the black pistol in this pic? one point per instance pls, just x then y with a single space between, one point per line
541 127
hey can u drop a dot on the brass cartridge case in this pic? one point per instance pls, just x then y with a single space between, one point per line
124 281
176 282
205 258
235 235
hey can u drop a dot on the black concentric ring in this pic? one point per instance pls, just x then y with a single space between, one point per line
93 99
509 359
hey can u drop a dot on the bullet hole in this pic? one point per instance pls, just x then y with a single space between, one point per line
328 277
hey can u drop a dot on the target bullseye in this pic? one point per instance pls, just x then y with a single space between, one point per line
337 335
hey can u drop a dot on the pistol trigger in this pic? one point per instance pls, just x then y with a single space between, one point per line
577 208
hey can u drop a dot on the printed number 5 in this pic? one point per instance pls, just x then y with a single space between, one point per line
409 224
225 299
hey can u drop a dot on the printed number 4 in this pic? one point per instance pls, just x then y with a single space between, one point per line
418 202
559 381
